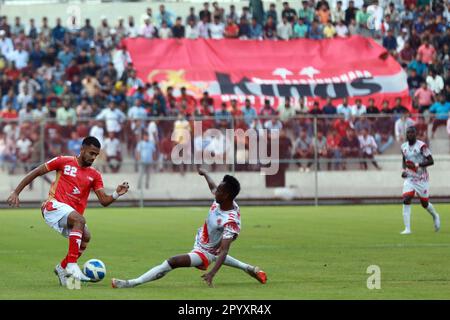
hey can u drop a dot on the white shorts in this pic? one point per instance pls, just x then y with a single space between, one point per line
201 259
55 214
412 187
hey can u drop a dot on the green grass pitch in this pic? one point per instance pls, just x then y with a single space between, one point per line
307 252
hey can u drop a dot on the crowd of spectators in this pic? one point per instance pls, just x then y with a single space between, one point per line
65 82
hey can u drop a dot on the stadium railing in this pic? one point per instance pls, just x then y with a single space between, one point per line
315 137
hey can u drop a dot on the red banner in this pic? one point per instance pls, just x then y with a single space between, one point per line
354 67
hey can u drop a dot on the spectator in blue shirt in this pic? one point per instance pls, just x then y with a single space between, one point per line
58 32
420 67
249 113
419 26
255 30
74 144
316 31
145 155
10 97
82 43
65 56
164 15
329 108
36 56
440 109
390 41
272 12
223 117
244 29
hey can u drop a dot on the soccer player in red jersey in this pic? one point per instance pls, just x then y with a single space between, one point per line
213 240
68 196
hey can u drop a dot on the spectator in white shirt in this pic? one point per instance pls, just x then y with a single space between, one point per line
341 29
435 82
31 84
192 30
24 98
376 11
40 112
113 118
19 56
112 148
6 44
24 149
98 132
284 29
273 124
148 30
401 125
358 109
132 30
203 28
338 13
152 130
368 149
402 38
344 109
26 113
216 28
164 32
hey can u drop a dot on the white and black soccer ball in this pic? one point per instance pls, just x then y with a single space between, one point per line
94 269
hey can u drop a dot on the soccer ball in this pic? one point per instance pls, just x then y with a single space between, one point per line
94 269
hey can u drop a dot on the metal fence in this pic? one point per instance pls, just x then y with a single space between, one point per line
147 146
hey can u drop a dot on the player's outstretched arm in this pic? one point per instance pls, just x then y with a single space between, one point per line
13 199
224 248
211 184
106 200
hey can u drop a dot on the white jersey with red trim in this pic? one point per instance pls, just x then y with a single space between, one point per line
218 225
416 153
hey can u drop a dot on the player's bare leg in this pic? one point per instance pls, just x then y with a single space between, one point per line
407 213
253 271
155 273
430 208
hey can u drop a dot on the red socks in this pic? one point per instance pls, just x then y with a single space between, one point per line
74 248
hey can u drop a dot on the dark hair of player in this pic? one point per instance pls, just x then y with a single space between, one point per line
91 141
232 186
411 128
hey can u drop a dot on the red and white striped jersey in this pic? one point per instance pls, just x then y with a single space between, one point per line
218 225
416 153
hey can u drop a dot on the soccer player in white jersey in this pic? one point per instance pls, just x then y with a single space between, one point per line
213 240
416 158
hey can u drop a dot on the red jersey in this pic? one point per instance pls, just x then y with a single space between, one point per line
73 183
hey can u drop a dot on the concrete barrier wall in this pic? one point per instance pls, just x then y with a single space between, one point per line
299 185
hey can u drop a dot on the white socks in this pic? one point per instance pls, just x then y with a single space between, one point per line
431 210
153 274
407 216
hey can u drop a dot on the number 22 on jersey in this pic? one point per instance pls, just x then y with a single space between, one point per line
70 171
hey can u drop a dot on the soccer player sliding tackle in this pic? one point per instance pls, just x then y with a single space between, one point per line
213 240
68 196
416 158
